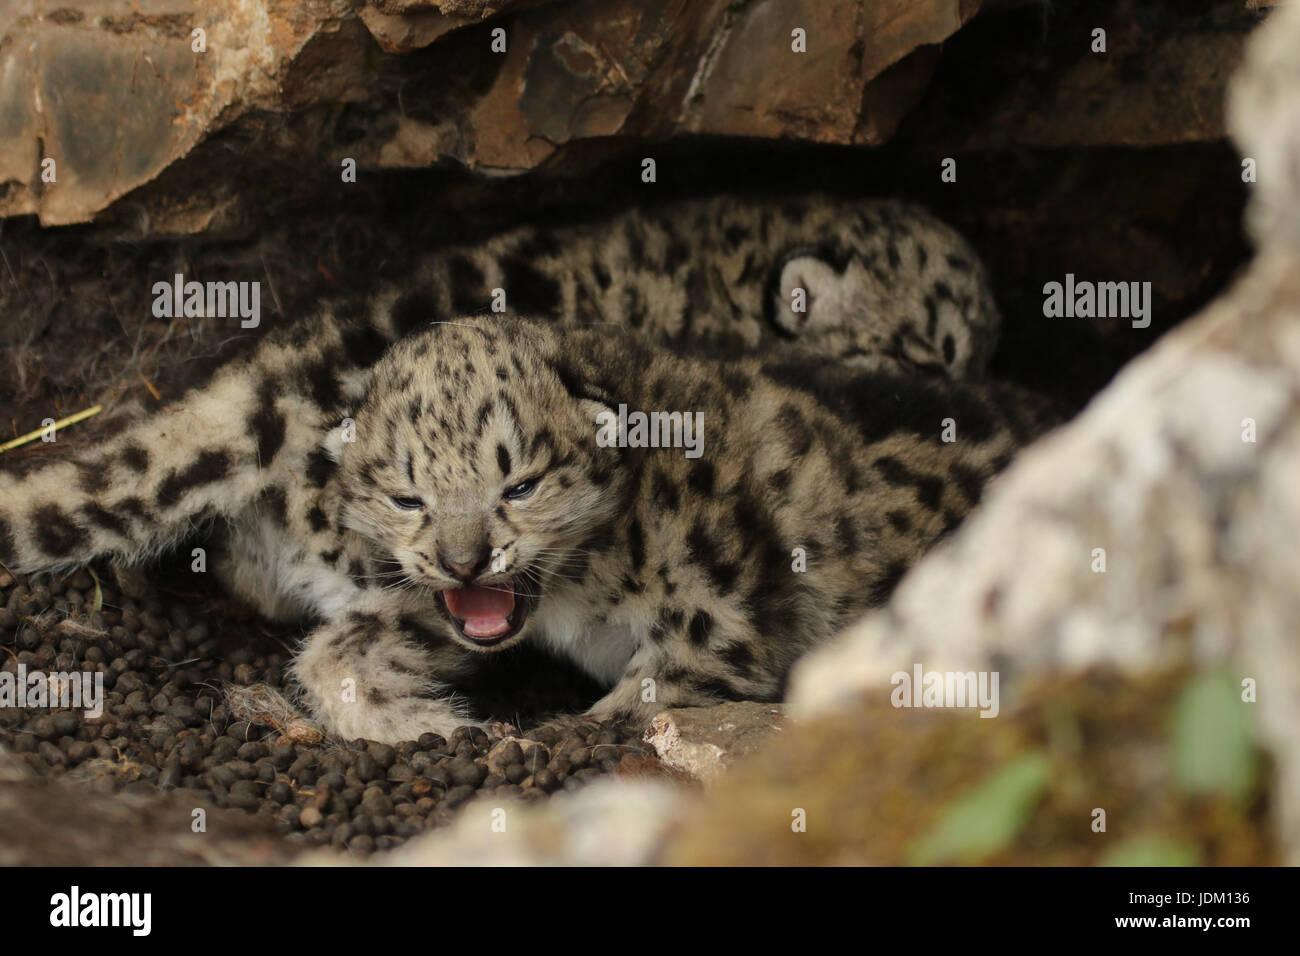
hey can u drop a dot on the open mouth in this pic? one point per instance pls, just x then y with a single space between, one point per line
486 616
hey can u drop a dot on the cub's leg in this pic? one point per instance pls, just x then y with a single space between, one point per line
380 671
689 663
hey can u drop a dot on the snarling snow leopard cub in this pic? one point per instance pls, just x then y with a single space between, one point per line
639 565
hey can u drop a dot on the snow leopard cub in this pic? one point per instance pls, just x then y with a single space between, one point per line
675 576
253 454
872 283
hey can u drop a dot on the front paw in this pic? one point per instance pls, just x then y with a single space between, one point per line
396 720
614 712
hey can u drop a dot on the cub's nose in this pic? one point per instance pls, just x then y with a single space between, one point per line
466 567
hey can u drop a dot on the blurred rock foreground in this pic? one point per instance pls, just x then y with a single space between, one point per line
116 92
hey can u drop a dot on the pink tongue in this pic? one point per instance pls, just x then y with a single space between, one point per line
483 610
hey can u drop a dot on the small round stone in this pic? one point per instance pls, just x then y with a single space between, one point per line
466 773
457 796
383 755
252 751
280 792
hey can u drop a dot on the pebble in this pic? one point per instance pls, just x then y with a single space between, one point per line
311 817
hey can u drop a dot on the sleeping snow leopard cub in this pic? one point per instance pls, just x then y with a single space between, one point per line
475 508
884 284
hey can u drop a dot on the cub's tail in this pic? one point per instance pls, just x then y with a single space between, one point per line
209 455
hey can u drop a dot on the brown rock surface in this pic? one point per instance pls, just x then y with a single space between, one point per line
115 93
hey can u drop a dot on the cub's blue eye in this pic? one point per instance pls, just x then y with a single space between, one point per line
406 504
521 490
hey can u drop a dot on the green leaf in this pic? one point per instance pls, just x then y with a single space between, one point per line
1212 746
986 818
1152 851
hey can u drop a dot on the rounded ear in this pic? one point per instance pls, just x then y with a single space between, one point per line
596 406
609 428
337 438
807 296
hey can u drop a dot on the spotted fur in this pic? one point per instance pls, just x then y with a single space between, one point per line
886 285
645 565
